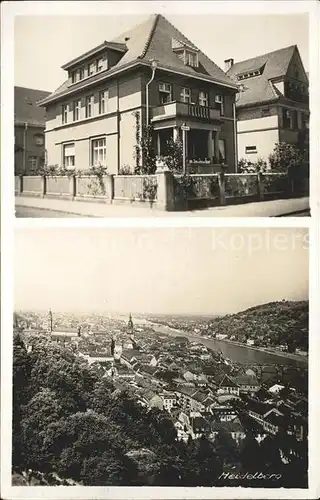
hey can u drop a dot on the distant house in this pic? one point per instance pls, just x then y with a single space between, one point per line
234 428
29 126
273 105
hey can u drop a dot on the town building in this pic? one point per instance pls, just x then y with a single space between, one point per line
273 103
29 126
150 75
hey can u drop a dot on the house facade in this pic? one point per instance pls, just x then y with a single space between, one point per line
150 75
273 103
29 126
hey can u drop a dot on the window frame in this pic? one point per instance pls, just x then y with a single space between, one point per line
98 148
253 151
103 99
165 92
38 137
64 113
205 98
89 105
33 161
69 156
94 66
184 95
219 99
76 110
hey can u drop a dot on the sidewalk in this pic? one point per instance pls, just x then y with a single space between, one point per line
275 208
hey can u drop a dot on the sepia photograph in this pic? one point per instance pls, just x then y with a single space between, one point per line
161 115
160 357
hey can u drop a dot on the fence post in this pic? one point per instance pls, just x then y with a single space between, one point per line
260 186
165 190
291 181
222 188
109 185
20 184
43 186
72 187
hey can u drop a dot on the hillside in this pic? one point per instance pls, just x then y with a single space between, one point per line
272 324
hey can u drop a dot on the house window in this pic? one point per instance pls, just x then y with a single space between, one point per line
219 103
68 155
33 160
287 118
92 68
294 114
89 106
39 140
304 121
191 59
165 93
203 99
76 110
222 155
100 64
99 151
64 113
75 76
81 73
103 101
251 150
185 95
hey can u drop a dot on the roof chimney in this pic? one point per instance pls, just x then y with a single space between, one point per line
228 63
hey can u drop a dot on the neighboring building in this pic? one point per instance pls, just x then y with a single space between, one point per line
273 103
95 115
29 125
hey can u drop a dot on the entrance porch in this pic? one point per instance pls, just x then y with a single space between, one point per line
203 146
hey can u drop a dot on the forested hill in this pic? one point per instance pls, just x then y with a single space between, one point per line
275 323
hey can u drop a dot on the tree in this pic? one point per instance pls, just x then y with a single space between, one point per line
226 447
173 158
285 156
21 376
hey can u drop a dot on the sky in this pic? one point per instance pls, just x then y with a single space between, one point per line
44 43
158 270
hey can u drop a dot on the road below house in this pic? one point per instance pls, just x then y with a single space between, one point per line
28 212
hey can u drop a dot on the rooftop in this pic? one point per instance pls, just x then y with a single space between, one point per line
150 40
26 109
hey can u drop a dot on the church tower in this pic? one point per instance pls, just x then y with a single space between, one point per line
130 324
50 322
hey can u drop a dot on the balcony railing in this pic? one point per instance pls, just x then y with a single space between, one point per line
176 108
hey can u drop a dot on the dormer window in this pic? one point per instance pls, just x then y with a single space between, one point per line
191 59
187 53
100 64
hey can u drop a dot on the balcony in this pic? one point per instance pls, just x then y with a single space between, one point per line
184 110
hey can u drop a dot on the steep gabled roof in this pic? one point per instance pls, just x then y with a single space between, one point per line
152 39
259 89
25 106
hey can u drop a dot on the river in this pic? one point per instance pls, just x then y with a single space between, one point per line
237 353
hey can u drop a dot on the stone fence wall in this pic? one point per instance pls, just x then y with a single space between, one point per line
164 190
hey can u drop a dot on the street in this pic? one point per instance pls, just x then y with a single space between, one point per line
26 212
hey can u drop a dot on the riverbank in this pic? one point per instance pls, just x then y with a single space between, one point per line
282 354
195 337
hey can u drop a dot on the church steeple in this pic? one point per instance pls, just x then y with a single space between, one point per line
50 322
130 324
